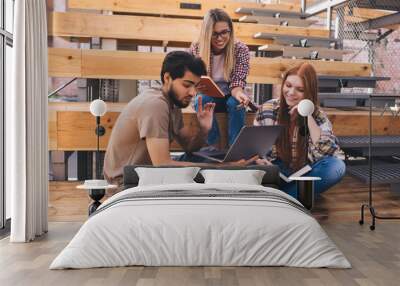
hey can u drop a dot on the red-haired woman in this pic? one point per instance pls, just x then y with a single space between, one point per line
295 148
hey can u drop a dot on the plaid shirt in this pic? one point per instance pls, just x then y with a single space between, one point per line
241 68
327 145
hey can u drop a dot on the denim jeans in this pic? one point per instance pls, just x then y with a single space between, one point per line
329 168
188 157
236 118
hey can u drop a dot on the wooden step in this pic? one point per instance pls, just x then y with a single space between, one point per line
383 173
315 53
364 14
271 13
188 8
392 5
298 40
140 65
327 99
277 21
352 95
71 125
144 28
381 141
387 101
340 81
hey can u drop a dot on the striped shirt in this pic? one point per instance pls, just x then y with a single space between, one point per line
327 144
241 68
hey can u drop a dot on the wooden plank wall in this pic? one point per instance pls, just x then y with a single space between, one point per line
140 65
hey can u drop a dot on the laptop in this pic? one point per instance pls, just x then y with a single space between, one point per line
251 141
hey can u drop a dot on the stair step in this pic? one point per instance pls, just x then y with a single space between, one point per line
281 21
299 41
269 12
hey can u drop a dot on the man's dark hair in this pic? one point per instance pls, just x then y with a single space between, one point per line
176 63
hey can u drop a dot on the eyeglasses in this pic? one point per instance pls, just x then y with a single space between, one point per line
223 34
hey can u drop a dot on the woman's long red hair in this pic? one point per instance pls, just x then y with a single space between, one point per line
308 76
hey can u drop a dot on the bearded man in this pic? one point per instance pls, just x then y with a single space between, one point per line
152 120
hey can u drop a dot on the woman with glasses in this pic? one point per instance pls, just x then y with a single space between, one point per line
227 61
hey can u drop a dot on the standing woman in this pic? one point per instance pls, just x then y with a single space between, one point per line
227 61
293 150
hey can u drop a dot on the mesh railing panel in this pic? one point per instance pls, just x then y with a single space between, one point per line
373 46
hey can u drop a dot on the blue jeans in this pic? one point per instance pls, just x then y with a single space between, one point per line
236 118
330 169
188 157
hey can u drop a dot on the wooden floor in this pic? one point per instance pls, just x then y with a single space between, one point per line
374 255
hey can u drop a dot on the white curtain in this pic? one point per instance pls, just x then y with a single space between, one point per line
26 123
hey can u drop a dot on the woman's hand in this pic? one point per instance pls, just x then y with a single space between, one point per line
243 99
240 96
293 110
263 161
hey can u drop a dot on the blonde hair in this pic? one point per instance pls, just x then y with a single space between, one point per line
213 16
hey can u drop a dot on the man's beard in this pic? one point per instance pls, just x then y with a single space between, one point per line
172 95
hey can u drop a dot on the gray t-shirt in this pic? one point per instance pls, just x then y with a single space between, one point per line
149 115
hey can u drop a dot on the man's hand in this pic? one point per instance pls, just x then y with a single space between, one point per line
205 115
242 162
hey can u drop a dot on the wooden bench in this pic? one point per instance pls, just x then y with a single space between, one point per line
382 173
72 127
298 40
330 87
198 8
271 13
280 21
382 145
345 99
349 81
189 8
393 5
140 65
315 53
142 29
